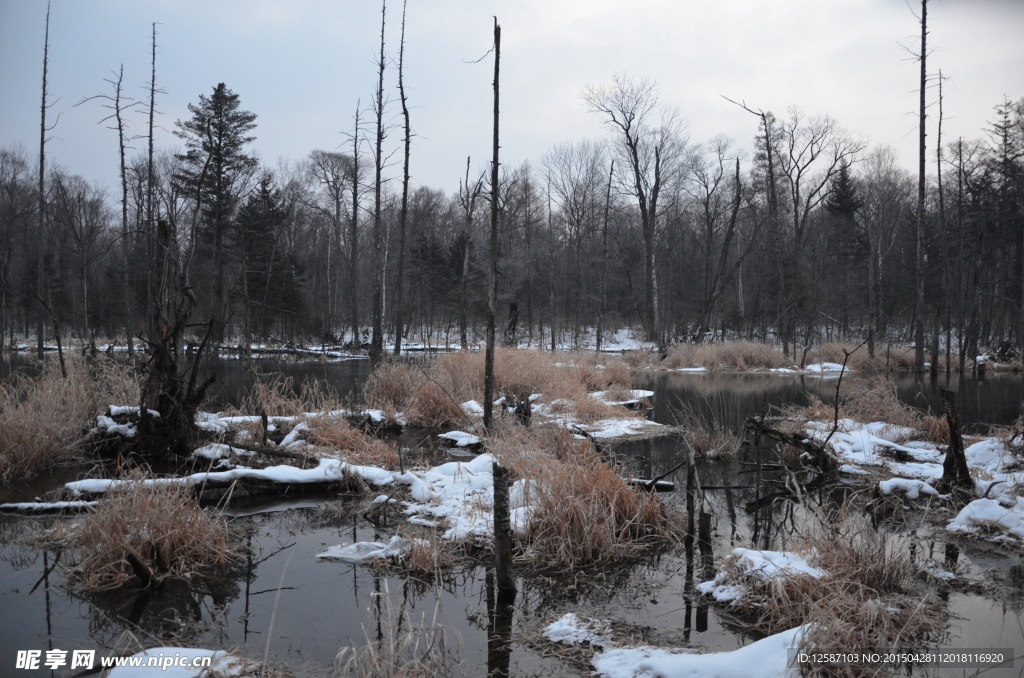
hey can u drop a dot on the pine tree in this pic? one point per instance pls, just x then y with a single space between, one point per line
217 170
267 283
843 200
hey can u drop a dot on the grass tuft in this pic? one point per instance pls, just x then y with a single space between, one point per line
45 420
586 512
150 532
400 646
432 396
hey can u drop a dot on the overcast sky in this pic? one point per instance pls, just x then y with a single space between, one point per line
302 65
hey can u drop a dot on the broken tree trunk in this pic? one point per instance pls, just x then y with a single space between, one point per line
821 456
955 473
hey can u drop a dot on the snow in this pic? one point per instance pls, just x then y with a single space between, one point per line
460 438
222 664
462 493
572 630
990 514
770 564
826 368
118 410
635 396
615 428
989 455
367 551
473 408
47 507
766 658
910 487
757 564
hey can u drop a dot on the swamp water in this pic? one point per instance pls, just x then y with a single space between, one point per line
284 605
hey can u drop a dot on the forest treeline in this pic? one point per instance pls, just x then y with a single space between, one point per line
813 238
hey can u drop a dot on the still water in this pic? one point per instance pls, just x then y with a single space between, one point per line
284 605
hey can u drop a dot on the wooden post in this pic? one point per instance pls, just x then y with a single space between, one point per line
502 532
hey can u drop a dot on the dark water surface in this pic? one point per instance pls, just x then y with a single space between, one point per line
284 604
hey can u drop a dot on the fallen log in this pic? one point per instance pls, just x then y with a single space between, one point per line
822 457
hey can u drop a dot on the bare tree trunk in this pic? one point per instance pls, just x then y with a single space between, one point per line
41 234
502 518
604 260
919 298
404 213
492 273
125 251
377 341
354 239
150 235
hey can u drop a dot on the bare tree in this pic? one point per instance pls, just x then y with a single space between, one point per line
652 152
333 172
377 340
717 214
119 105
403 215
43 129
919 275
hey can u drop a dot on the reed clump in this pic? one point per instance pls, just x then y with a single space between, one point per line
729 355
432 396
277 396
886 359
334 434
45 420
400 645
872 594
148 531
585 512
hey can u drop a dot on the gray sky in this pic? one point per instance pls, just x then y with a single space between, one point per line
301 66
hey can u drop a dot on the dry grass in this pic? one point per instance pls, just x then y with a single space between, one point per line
586 512
337 435
887 358
45 420
402 647
871 400
432 396
150 530
276 396
730 355
872 596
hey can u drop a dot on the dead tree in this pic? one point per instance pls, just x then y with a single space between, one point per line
403 215
377 340
41 259
955 473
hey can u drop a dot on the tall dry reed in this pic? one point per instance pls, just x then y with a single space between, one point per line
431 396
148 532
44 420
586 512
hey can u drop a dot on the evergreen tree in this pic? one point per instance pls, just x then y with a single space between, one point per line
217 170
843 199
268 280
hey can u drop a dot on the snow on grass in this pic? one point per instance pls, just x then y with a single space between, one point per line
635 396
460 438
908 486
726 588
460 493
983 515
766 658
826 368
573 630
367 551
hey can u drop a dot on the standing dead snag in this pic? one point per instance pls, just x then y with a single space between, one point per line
955 473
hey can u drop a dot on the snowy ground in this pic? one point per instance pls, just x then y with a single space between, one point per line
766 658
